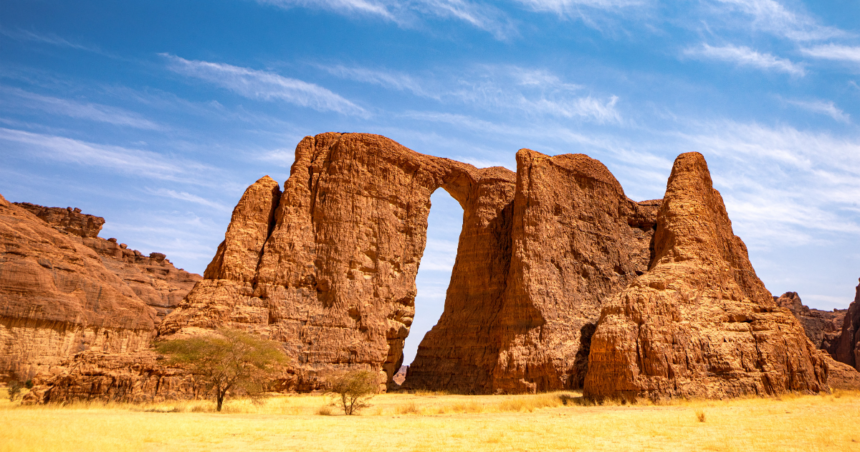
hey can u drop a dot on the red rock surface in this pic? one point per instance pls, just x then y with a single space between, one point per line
848 347
57 299
546 255
551 269
823 328
699 322
68 219
334 279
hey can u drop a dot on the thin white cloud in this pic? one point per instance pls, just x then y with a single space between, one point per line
821 107
773 17
73 109
574 7
834 52
115 158
188 197
407 13
388 79
280 157
24 35
744 56
263 85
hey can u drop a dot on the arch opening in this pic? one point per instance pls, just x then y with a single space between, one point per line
444 224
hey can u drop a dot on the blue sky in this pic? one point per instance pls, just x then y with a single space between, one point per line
157 115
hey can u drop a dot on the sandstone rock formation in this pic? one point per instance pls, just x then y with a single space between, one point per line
57 299
848 347
332 273
560 281
552 266
699 322
69 220
823 328
64 290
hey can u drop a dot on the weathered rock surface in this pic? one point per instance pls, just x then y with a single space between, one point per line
699 322
119 377
559 244
333 277
848 347
823 328
57 299
68 219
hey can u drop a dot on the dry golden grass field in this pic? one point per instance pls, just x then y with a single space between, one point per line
430 422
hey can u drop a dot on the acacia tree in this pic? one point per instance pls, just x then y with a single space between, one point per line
229 361
352 390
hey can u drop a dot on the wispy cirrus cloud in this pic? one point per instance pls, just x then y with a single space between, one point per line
188 197
406 13
130 161
20 99
834 52
388 79
51 39
827 108
744 56
262 85
773 17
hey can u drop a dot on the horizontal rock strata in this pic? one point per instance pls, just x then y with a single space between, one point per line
699 323
64 290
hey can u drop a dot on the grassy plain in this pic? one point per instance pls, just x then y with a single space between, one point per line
431 422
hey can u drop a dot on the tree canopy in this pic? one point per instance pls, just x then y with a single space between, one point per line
227 361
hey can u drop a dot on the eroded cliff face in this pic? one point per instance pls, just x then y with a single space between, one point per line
57 299
848 347
552 267
333 277
823 328
699 322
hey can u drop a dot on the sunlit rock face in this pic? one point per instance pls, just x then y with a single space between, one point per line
699 322
560 281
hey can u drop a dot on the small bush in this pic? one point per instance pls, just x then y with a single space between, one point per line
324 410
700 415
352 390
14 390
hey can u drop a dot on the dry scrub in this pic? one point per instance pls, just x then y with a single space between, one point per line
413 422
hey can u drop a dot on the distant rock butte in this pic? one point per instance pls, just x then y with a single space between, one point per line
823 328
560 281
63 290
848 347
699 322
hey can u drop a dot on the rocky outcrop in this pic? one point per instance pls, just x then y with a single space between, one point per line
699 322
823 328
69 220
57 299
560 281
848 347
332 273
544 244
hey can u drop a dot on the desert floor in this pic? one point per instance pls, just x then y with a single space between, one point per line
429 422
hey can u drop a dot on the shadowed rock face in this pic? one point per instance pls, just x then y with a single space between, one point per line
699 322
848 347
823 328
